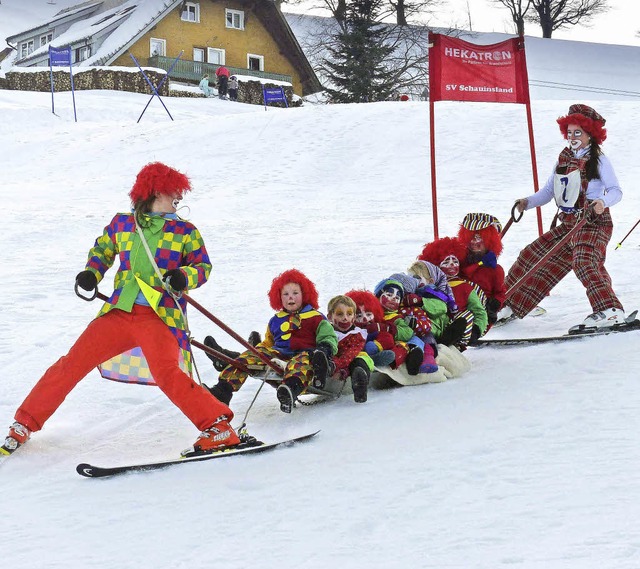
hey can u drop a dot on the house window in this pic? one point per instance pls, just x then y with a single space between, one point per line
157 47
216 56
44 40
83 53
26 48
235 19
255 62
191 12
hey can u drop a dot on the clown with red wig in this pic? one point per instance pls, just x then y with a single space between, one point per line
298 335
480 233
140 332
470 316
583 183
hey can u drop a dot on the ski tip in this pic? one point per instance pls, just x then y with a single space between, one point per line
85 469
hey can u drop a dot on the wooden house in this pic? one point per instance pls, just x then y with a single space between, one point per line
250 37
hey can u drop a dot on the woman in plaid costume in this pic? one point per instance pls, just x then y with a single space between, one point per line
141 315
583 182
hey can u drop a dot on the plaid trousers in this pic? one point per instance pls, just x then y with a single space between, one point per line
298 366
585 252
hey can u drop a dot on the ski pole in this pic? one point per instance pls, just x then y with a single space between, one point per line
231 333
544 259
627 235
512 219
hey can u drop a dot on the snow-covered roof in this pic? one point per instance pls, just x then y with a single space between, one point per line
59 17
128 21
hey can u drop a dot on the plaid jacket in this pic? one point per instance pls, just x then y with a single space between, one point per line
176 244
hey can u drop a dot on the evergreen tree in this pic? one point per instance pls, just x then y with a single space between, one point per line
356 63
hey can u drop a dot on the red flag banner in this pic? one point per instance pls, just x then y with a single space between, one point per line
463 71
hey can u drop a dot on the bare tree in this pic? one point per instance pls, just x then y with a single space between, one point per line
410 11
518 10
555 14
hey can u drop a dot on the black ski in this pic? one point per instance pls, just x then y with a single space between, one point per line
578 335
91 471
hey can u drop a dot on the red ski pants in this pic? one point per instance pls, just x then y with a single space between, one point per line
106 337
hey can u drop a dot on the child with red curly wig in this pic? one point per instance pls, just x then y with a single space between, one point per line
480 233
446 253
297 334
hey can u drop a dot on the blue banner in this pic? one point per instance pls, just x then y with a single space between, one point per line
59 56
274 95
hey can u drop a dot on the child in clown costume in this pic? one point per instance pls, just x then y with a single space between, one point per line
143 315
297 334
429 305
351 359
380 344
421 351
446 253
480 233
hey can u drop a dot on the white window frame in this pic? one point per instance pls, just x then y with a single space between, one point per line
198 58
260 58
26 48
45 39
234 19
220 52
157 41
191 9
81 53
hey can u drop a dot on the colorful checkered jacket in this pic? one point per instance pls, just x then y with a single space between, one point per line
176 244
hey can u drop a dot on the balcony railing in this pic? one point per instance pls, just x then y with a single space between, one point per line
194 70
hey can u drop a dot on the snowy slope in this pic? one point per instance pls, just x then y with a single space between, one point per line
530 460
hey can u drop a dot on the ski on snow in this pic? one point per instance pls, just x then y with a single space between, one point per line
628 326
91 471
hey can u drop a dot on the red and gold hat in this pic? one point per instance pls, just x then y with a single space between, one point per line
489 228
587 119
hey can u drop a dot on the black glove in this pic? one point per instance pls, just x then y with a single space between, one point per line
492 307
326 349
176 279
86 280
475 334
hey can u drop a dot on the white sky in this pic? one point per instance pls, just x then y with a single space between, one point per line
618 26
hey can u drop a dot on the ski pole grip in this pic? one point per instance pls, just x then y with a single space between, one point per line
76 289
514 209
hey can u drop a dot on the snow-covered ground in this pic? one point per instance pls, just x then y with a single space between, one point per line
530 460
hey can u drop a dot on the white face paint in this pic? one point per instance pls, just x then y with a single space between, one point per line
576 137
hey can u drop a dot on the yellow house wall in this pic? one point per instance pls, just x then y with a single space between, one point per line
211 31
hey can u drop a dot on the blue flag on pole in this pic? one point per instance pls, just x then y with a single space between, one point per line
60 57
274 95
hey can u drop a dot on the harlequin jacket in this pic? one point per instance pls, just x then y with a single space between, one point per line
292 332
175 243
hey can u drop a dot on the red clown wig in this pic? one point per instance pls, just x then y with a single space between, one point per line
438 250
369 301
157 178
309 292
587 119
